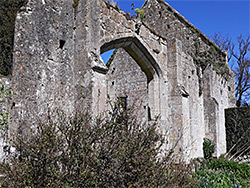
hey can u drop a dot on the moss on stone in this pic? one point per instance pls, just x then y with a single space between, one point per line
75 3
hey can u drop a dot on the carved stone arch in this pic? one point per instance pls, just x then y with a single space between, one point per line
137 50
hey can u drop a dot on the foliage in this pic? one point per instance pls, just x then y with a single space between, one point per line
238 131
140 13
5 95
8 10
81 152
204 58
75 3
208 148
223 173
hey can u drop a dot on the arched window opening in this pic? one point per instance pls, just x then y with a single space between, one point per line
108 57
132 72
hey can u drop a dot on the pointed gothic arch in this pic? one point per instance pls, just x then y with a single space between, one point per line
138 52
136 49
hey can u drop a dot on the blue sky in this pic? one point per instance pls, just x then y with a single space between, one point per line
226 16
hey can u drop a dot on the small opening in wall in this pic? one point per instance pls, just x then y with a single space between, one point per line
113 71
149 114
61 44
160 13
168 26
186 95
107 55
13 105
229 88
113 83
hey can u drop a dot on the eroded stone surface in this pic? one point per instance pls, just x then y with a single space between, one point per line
164 65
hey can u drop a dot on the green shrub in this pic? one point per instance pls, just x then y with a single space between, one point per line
5 96
223 173
75 3
140 13
113 151
238 131
208 148
8 10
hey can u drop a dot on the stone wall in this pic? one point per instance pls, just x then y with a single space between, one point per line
164 65
200 70
126 80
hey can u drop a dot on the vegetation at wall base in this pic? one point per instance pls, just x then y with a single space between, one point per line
112 151
208 148
238 131
220 173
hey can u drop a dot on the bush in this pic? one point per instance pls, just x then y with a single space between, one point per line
208 148
223 173
113 151
238 131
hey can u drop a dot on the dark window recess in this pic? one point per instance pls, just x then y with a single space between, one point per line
13 105
124 102
113 83
160 13
113 71
62 42
168 26
149 114
229 88
185 95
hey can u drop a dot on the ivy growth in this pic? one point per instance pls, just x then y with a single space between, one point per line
193 30
75 3
5 96
204 58
208 148
140 13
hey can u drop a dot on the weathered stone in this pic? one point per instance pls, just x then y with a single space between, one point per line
164 66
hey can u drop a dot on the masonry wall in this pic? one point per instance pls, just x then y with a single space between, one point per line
164 64
126 80
200 70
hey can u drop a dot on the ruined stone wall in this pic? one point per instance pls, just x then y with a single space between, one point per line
200 70
126 80
53 53
174 70
43 67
